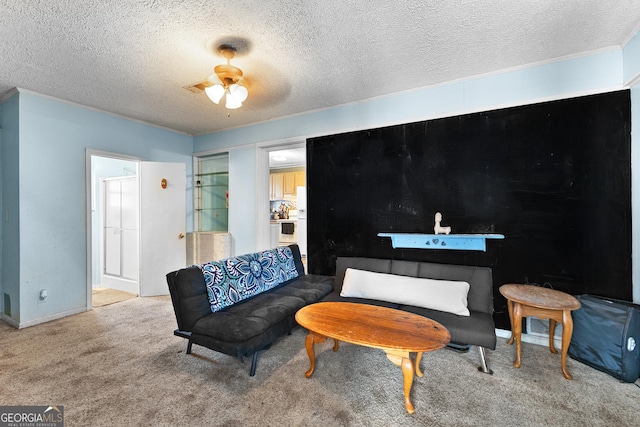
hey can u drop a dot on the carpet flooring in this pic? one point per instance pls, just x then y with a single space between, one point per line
121 365
105 296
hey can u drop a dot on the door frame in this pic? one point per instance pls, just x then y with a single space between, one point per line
262 184
89 205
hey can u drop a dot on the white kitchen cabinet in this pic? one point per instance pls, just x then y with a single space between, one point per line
285 184
289 183
276 186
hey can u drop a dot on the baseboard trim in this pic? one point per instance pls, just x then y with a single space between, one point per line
22 325
9 320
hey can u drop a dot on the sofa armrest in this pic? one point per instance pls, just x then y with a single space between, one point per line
189 296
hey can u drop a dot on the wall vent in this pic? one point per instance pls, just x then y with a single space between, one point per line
7 305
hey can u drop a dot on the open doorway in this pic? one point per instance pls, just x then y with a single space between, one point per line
114 233
158 210
288 197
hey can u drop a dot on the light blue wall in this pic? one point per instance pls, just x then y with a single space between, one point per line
54 137
631 54
635 189
588 74
9 122
242 215
631 67
1 281
242 199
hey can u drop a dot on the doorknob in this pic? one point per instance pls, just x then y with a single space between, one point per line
181 235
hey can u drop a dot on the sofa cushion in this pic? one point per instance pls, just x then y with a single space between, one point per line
480 297
241 322
232 280
444 295
368 264
335 297
310 288
476 329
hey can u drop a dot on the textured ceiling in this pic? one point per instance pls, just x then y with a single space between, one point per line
134 58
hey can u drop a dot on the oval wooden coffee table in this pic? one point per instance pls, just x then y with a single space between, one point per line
397 332
544 303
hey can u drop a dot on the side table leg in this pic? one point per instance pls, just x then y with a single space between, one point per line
309 342
567 331
517 332
510 309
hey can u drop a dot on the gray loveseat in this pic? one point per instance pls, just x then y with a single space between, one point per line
251 321
477 329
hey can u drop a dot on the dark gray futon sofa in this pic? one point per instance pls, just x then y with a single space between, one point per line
249 325
477 329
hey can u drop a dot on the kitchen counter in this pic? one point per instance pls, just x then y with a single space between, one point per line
279 221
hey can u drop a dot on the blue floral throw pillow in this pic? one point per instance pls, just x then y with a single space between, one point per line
234 279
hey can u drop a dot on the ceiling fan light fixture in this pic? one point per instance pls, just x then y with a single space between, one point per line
238 92
215 93
228 76
232 102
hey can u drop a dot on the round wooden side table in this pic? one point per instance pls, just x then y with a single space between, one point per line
544 303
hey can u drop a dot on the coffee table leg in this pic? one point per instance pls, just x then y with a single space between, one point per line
309 342
417 365
552 332
403 359
516 327
567 331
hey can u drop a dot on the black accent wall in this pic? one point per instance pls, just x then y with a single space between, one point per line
554 178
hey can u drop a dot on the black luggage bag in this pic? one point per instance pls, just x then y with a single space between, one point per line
606 336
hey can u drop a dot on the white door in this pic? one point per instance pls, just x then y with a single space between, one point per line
162 224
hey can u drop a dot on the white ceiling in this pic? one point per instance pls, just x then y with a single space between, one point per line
133 58
287 158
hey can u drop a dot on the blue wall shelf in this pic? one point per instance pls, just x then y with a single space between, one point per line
460 242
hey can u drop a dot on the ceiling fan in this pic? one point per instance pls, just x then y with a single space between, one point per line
228 76
226 81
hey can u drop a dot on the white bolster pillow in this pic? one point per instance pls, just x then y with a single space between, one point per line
442 295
